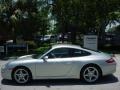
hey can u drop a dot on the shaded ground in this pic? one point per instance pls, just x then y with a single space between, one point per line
64 82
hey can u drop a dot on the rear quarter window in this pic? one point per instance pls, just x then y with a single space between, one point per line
79 53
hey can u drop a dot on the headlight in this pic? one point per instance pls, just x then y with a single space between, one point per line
4 66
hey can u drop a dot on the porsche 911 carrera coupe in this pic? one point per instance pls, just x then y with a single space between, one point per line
62 61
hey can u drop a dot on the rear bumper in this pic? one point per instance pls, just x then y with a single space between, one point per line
109 69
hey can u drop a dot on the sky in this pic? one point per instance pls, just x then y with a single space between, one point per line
111 26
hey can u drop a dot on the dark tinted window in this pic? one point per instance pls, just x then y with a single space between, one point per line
78 53
67 52
59 53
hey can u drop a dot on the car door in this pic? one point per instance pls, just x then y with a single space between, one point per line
58 64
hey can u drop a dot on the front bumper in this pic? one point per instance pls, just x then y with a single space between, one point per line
6 73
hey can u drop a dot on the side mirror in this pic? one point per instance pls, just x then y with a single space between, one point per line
45 58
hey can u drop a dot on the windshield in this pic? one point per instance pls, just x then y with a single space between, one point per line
40 52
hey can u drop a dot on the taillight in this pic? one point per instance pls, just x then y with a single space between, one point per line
110 60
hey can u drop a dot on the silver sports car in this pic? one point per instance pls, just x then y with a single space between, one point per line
58 62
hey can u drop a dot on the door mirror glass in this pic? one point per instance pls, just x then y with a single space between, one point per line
45 58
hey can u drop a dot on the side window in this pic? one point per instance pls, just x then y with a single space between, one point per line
59 53
67 52
79 53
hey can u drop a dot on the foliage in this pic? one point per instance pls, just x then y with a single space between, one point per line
115 30
31 44
41 50
28 17
85 15
23 17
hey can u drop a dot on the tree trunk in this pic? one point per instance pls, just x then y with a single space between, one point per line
73 35
14 35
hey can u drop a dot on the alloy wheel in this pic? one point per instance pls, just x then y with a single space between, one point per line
91 74
21 76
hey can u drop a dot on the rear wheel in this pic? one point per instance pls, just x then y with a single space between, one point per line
90 74
21 75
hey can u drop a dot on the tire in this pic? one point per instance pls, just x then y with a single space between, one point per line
90 74
21 75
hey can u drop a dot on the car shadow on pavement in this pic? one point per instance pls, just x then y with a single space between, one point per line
62 82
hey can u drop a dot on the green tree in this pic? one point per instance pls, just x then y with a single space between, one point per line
24 17
42 19
4 19
85 15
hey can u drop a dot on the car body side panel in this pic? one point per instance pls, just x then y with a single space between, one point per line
53 67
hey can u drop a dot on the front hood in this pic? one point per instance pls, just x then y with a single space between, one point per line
21 60
25 57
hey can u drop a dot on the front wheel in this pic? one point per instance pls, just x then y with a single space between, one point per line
21 75
90 74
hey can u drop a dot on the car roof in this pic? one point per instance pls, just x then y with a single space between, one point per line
66 45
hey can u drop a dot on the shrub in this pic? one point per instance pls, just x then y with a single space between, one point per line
31 44
41 50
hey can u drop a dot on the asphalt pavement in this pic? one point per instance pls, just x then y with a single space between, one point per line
111 82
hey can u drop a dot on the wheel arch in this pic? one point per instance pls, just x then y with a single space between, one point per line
21 67
91 64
